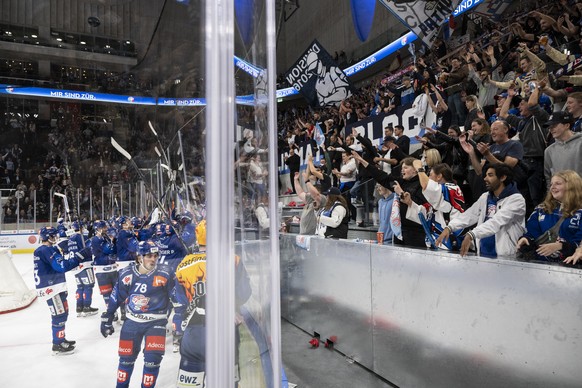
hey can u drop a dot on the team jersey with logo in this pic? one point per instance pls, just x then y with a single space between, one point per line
147 296
76 244
49 271
190 289
171 249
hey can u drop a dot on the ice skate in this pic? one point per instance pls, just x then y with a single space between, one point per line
63 349
71 343
88 311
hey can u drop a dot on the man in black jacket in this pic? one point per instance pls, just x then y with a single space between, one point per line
293 162
533 135
402 141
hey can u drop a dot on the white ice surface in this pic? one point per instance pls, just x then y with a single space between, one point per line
26 360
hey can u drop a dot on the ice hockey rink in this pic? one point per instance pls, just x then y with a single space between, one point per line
27 360
25 346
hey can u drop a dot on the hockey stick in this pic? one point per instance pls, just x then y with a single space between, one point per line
160 144
68 212
66 203
127 155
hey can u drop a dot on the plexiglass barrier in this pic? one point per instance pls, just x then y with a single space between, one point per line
157 134
433 319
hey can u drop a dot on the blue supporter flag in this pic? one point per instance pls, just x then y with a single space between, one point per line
318 136
318 77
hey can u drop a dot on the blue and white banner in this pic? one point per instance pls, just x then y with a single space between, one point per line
492 9
422 17
373 129
318 136
318 78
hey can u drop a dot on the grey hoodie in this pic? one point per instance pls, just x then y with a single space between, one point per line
562 156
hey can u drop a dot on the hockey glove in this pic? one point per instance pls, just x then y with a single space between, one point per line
84 255
106 325
143 235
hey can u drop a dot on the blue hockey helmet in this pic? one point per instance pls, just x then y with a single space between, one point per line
186 217
48 232
146 247
76 225
160 229
112 232
136 222
62 230
99 224
121 220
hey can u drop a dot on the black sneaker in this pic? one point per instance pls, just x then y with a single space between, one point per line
87 311
63 349
80 311
69 342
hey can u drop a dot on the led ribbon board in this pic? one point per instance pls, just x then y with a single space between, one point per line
248 68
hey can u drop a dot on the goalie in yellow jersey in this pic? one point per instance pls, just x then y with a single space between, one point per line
190 291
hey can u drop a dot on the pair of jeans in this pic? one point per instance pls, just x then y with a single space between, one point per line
345 188
458 109
535 180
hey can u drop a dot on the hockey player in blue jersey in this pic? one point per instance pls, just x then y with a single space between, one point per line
145 286
51 285
126 243
104 260
187 229
84 275
172 251
63 239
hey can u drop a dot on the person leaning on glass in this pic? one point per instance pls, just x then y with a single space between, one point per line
553 229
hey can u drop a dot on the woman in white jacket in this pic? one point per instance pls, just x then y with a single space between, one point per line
333 218
499 214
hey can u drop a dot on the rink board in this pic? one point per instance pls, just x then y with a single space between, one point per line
19 242
432 319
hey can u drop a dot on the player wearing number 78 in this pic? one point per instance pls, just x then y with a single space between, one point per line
145 287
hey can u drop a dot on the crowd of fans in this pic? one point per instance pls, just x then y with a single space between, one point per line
508 115
72 154
511 96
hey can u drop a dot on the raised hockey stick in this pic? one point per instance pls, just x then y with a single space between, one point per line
159 204
66 203
160 144
68 212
